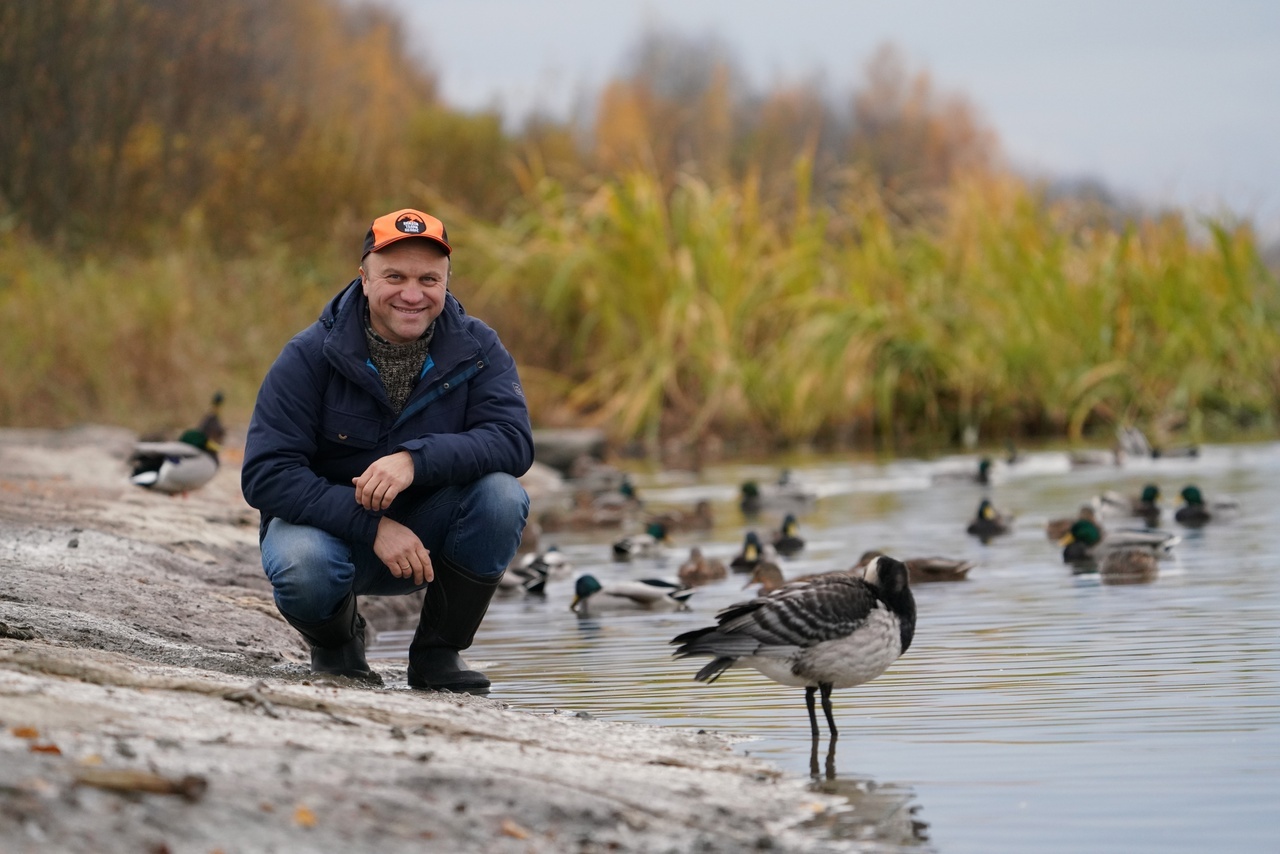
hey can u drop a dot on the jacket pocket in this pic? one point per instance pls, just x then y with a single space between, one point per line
347 430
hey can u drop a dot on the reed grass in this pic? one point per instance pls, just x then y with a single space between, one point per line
144 342
700 312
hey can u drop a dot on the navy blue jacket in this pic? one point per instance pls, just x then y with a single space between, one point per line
322 418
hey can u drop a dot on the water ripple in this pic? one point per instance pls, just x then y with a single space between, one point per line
1036 710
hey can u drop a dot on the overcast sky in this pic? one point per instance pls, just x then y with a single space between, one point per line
1164 100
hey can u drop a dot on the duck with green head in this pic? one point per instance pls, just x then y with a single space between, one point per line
1085 542
650 543
590 595
175 467
1148 505
1194 512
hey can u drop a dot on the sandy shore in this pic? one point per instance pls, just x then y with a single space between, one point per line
151 699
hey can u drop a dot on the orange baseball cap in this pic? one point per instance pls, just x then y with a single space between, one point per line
398 225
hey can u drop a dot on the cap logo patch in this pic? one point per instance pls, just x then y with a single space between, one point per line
411 224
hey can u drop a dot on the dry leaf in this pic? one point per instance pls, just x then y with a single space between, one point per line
191 787
510 828
304 817
25 732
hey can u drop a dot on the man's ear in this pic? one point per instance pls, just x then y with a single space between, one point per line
364 280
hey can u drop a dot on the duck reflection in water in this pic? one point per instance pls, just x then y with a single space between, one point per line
832 631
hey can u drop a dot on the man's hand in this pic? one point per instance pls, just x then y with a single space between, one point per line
384 480
403 553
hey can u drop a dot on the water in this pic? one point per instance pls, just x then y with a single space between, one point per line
1037 709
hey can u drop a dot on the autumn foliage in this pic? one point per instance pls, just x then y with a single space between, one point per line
687 259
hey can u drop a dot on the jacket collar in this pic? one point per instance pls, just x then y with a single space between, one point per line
346 348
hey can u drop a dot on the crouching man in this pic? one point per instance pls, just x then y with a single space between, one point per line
383 455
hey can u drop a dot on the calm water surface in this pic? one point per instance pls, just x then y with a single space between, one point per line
1037 710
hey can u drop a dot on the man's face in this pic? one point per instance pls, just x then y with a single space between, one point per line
405 285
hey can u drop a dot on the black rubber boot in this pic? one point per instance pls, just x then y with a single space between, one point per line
452 610
337 644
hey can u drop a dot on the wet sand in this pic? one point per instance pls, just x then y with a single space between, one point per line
151 699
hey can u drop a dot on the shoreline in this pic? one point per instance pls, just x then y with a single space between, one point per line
152 699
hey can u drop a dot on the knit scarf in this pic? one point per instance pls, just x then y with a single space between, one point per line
398 364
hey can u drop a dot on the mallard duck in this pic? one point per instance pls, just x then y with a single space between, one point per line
750 501
790 490
652 594
1174 451
1195 512
1128 566
1145 505
1085 542
625 497
175 467
699 569
981 475
532 571
1090 457
701 518
989 522
787 540
552 563
753 551
1056 529
523 578
647 544
923 569
769 576
587 513
517 575
834 631
1131 441
787 495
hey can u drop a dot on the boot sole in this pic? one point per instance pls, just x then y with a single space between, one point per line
368 676
463 687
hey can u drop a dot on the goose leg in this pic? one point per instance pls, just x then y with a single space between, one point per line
813 729
826 710
831 725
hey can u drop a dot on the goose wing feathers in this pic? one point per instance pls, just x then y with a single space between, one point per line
797 615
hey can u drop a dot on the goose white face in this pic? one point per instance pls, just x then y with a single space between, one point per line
871 573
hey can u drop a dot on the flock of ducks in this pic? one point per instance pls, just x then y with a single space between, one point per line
1127 554
821 631
838 629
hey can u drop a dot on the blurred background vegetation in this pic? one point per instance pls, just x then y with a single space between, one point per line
687 263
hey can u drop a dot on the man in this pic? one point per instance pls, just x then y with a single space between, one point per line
383 455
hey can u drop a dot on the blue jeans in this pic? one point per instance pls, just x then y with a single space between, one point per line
477 525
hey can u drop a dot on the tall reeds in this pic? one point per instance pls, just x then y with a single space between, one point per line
700 311
703 312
